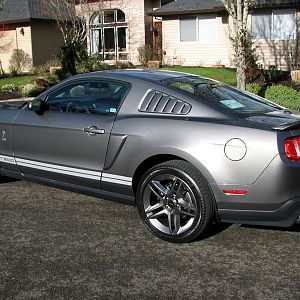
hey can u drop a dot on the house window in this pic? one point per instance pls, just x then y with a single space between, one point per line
276 25
262 26
108 35
207 28
202 28
188 30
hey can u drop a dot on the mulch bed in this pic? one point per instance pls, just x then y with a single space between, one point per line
7 96
294 85
279 77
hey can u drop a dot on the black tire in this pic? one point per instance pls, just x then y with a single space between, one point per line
175 202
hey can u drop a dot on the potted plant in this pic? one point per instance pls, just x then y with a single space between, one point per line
218 64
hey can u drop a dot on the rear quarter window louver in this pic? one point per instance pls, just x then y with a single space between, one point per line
158 102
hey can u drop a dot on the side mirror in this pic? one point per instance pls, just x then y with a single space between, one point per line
37 105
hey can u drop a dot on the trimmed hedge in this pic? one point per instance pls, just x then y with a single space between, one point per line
30 90
8 88
284 96
253 88
52 79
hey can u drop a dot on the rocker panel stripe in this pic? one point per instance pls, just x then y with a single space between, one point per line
83 173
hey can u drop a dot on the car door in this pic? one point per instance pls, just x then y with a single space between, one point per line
7 161
68 140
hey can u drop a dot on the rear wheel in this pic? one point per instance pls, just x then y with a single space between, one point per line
175 202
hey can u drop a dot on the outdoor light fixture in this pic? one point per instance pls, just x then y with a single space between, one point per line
152 29
22 31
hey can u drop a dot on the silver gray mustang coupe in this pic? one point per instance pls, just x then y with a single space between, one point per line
188 151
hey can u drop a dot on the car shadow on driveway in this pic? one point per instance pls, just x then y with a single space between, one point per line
215 229
294 228
8 180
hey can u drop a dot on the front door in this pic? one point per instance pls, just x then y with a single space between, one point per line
68 141
157 39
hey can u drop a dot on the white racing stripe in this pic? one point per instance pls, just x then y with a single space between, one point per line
124 180
116 181
83 173
55 170
59 167
118 177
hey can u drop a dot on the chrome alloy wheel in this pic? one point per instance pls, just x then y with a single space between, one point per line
170 204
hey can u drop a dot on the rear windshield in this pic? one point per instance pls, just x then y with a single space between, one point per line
222 96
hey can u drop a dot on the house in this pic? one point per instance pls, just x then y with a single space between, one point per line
116 29
25 25
196 32
119 27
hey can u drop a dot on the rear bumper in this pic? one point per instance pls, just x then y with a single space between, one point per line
272 200
284 216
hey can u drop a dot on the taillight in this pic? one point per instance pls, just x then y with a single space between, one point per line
235 192
292 148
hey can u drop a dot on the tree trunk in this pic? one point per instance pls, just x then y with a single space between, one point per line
241 66
241 78
241 57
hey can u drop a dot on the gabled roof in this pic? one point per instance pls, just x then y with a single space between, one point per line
189 6
181 7
13 11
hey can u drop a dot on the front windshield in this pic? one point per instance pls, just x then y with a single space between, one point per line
222 96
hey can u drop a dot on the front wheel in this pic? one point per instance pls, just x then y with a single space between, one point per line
175 202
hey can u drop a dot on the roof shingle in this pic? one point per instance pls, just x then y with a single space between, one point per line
23 10
201 6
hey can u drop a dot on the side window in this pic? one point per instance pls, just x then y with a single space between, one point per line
89 97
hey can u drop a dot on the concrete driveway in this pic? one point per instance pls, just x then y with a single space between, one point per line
60 245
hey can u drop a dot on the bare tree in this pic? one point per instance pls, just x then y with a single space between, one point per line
239 11
72 17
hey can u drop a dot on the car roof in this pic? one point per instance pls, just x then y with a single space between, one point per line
155 76
144 74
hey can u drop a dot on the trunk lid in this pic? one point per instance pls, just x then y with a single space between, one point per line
278 120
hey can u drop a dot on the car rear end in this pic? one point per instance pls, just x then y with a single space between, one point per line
273 199
261 186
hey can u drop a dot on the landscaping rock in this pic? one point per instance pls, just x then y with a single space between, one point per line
153 64
295 75
53 70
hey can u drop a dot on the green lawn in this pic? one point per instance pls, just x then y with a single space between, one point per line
222 74
18 80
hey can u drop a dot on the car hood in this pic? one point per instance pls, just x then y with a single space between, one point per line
279 120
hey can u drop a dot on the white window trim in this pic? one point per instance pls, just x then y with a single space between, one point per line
197 31
272 25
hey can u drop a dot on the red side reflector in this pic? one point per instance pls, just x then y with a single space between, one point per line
292 148
235 192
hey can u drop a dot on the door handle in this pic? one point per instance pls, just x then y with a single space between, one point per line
93 130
